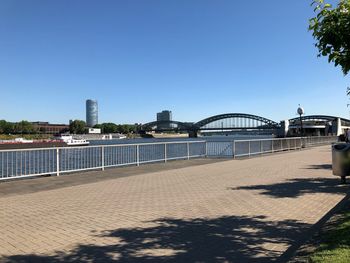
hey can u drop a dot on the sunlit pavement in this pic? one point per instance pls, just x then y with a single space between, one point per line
247 210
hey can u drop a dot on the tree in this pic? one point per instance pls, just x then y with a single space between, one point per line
24 127
77 127
109 127
331 29
6 127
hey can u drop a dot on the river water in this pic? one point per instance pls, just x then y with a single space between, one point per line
213 138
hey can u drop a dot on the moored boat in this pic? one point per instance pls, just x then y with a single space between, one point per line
70 141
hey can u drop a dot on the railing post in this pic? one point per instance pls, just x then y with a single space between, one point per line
138 155
165 152
234 149
206 148
272 145
281 145
57 161
188 150
103 157
249 148
261 148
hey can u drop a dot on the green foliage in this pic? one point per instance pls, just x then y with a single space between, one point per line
109 127
331 29
77 127
335 246
24 127
116 128
6 127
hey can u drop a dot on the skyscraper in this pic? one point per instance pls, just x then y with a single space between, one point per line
91 113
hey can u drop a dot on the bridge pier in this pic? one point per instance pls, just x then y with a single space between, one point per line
282 131
192 134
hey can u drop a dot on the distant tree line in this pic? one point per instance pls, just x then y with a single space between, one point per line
79 127
76 127
22 127
110 127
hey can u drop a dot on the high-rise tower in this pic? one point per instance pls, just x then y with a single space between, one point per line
91 113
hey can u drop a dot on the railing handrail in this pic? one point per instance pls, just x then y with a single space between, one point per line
96 146
284 138
299 142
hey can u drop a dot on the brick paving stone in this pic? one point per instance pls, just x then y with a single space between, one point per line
248 210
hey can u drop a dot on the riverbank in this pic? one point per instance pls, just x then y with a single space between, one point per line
170 135
26 136
38 144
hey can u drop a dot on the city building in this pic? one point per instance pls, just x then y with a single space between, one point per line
91 113
47 128
165 115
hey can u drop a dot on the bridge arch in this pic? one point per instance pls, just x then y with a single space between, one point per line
238 120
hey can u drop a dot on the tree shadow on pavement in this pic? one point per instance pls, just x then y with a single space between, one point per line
320 167
223 239
299 186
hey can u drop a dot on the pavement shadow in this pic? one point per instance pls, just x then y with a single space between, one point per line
320 167
300 186
223 239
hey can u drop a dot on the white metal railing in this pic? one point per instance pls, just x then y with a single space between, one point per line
316 140
18 163
260 146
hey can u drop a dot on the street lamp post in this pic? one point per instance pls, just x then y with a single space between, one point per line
300 111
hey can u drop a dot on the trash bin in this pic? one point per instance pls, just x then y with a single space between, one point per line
341 160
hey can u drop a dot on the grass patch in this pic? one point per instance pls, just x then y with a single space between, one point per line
335 244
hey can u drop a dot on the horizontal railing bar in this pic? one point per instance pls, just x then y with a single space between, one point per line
120 164
271 139
82 169
26 175
150 143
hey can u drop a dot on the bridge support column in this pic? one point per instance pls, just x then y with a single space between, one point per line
192 134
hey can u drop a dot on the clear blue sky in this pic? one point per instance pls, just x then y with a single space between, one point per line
196 58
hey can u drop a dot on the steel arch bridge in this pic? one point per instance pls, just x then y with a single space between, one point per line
227 121
242 122
235 121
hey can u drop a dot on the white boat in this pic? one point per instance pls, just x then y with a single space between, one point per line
68 139
118 136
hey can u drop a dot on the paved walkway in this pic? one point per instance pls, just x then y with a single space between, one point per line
248 210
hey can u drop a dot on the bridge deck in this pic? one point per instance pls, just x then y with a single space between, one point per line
248 210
